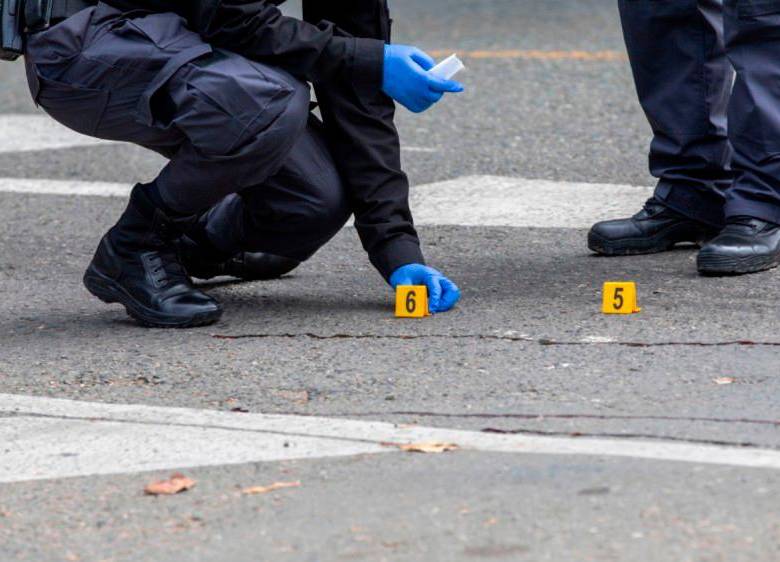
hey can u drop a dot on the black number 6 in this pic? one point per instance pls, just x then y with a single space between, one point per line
411 304
619 302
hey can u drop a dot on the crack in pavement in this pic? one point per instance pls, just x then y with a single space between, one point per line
542 417
194 425
719 442
523 339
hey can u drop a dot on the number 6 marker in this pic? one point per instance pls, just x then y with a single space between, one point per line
411 301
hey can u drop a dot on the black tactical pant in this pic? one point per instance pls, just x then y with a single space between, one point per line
238 134
716 151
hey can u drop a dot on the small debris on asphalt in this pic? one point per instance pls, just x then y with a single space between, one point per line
597 491
430 448
296 396
256 490
176 484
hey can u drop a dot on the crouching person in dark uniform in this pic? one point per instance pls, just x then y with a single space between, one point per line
255 184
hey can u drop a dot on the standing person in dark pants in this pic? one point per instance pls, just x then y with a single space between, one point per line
254 184
716 152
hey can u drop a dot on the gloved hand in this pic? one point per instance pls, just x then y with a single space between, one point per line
442 293
407 80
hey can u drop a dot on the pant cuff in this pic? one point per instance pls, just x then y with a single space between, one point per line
705 206
764 211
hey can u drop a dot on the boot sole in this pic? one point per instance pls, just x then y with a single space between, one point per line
714 265
633 246
110 292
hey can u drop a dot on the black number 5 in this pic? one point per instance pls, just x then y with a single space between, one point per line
618 302
411 304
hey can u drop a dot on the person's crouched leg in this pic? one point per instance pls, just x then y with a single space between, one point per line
268 230
240 119
237 121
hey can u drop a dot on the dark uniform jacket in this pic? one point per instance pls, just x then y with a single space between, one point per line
340 49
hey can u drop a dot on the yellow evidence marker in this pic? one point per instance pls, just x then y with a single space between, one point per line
620 298
411 301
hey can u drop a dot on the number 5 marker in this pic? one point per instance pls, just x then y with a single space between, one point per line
620 298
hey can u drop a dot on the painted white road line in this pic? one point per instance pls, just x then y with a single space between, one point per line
504 201
41 448
421 149
28 132
54 438
467 201
64 187
37 131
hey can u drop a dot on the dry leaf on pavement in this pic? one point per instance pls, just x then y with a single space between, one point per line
175 484
297 396
255 490
428 447
724 380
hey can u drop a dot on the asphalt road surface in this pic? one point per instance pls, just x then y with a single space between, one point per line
580 436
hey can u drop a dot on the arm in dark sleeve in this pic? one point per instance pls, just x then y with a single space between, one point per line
359 125
258 30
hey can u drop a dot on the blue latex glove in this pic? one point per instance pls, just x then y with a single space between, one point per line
407 80
442 293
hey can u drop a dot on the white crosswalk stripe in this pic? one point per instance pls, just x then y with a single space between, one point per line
54 438
503 201
467 201
26 132
31 132
63 187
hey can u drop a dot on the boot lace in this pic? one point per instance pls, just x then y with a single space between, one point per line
165 269
651 208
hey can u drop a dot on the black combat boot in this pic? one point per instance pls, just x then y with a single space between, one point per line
203 261
746 245
136 265
656 228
